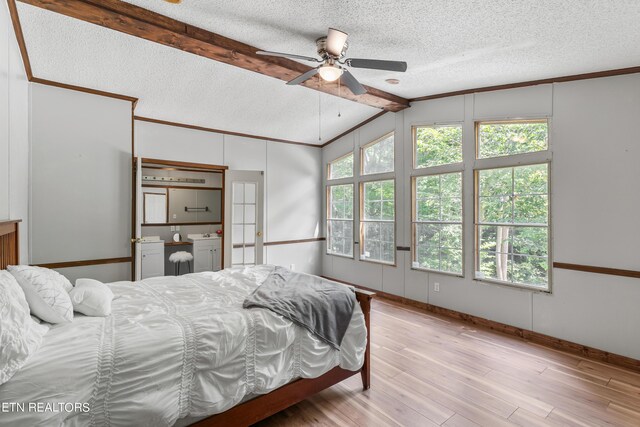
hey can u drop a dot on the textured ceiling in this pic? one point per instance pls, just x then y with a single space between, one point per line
448 46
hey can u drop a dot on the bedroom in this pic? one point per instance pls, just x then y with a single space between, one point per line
486 195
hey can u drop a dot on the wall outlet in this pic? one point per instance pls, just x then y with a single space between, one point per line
436 286
173 228
177 228
415 264
292 267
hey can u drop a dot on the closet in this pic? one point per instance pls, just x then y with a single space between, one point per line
180 210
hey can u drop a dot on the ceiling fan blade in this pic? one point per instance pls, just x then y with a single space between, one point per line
288 55
335 41
303 77
377 64
354 85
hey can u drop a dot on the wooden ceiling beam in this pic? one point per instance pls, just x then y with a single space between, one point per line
143 23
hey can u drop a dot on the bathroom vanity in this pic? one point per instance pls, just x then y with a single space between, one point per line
206 252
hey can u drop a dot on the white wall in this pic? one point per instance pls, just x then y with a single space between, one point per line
292 182
595 170
80 202
14 131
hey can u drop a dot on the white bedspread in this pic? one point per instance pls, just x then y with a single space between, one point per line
173 347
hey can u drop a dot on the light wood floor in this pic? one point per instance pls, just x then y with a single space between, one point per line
429 370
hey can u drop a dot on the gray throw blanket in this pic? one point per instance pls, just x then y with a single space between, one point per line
322 307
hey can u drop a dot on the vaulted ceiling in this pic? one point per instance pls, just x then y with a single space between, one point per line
448 45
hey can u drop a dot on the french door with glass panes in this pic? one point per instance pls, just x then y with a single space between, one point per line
244 207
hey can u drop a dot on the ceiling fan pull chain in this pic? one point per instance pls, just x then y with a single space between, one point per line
319 110
339 96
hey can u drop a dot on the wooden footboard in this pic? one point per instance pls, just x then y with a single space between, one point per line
264 406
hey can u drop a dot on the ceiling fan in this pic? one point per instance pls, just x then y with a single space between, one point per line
332 50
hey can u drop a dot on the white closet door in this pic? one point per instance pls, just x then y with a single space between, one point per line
81 171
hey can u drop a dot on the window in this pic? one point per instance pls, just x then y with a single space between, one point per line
437 222
512 225
341 168
340 220
377 157
244 215
436 238
377 221
436 145
495 139
512 205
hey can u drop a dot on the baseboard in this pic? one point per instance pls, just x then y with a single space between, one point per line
526 334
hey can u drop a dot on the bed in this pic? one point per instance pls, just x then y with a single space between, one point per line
180 351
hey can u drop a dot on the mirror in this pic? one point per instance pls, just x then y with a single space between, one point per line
155 208
189 205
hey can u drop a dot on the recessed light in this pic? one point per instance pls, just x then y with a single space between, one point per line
392 81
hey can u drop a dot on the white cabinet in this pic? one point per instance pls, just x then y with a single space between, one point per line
152 259
206 254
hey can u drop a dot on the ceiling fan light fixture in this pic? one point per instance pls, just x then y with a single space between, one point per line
330 73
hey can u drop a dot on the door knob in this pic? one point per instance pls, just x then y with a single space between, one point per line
259 234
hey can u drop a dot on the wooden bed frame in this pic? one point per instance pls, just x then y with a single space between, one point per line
9 243
259 408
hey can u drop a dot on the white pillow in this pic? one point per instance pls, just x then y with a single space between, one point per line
46 292
91 297
80 283
20 336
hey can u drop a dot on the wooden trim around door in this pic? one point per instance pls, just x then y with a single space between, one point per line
598 270
526 334
181 223
169 168
83 263
185 187
203 166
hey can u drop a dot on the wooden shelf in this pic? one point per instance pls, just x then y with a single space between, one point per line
178 244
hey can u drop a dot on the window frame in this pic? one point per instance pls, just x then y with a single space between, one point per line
413 222
374 142
353 167
414 145
417 172
362 221
513 161
353 220
478 123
